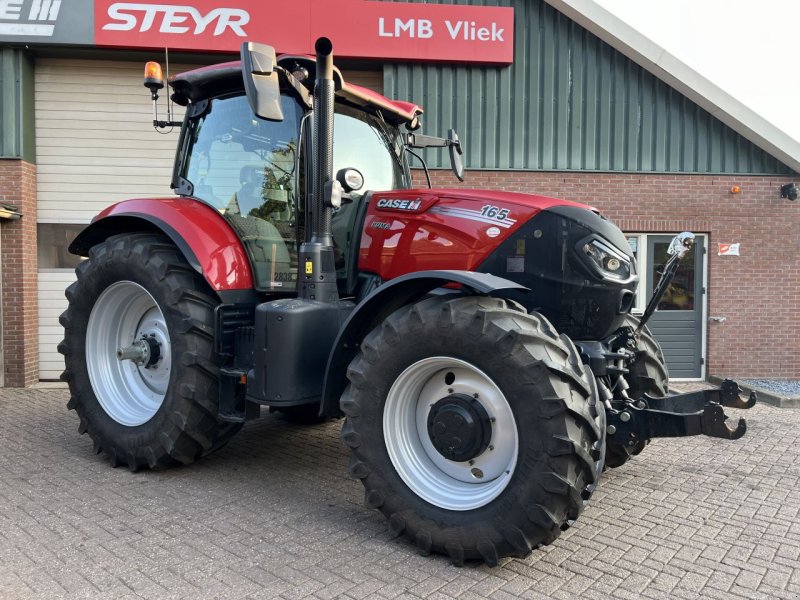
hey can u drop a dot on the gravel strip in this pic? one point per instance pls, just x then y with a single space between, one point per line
781 387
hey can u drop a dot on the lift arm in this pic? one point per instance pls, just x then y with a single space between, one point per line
693 413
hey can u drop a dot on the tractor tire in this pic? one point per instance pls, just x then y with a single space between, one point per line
143 414
530 445
648 374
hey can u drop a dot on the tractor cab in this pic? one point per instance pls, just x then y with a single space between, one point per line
256 171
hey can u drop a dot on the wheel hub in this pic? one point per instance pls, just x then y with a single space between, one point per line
145 352
459 427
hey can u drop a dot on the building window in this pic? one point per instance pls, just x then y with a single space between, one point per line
53 239
650 252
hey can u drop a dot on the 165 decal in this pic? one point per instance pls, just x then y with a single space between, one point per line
490 214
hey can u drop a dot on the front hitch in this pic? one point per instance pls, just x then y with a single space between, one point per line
693 413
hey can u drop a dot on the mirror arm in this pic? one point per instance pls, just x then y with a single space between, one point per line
298 88
415 140
424 165
451 142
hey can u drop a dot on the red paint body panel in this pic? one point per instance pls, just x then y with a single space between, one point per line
217 247
417 230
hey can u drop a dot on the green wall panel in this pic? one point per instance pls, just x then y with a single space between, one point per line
569 102
16 105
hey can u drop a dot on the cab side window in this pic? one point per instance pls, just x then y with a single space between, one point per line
246 168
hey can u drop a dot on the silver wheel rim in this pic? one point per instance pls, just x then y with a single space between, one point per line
129 393
442 482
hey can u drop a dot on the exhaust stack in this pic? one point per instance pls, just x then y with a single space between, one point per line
323 137
317 268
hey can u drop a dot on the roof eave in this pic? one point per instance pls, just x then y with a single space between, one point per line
675 73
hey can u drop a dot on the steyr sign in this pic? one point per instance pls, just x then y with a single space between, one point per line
358 28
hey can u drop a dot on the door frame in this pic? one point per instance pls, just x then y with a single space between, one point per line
642 269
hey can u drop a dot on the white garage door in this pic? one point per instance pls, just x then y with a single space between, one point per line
95 146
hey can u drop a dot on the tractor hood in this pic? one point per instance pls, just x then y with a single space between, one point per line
577 264
504 210
454 228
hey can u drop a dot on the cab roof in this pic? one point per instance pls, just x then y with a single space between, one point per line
222 78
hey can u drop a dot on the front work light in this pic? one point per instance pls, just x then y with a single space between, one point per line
607 261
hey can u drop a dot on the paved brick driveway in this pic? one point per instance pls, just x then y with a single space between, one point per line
274 514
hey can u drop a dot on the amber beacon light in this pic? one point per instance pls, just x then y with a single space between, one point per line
153 77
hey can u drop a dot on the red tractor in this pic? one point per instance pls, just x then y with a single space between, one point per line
479 344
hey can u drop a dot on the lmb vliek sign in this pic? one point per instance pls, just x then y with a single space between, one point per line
358 28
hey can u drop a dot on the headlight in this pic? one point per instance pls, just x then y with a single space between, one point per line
608 261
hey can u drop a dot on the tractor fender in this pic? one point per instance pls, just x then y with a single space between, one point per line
205 239
383 301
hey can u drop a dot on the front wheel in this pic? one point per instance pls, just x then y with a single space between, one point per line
140 361
474 427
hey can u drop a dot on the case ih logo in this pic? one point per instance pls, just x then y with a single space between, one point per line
398 204
171 18
28 17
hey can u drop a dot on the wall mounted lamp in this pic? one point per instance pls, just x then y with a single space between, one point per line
790 191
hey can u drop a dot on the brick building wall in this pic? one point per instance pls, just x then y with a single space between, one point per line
758 292
20 324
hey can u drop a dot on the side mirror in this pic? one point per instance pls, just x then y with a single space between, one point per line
261 80
454 145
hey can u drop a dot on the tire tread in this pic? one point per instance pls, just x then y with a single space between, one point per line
568 409
190 429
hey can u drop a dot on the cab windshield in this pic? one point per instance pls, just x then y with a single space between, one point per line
363 141
249 169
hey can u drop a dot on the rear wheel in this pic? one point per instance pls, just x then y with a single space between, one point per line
139 354
474 427
648 374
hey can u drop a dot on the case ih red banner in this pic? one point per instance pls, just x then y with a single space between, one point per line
358 28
